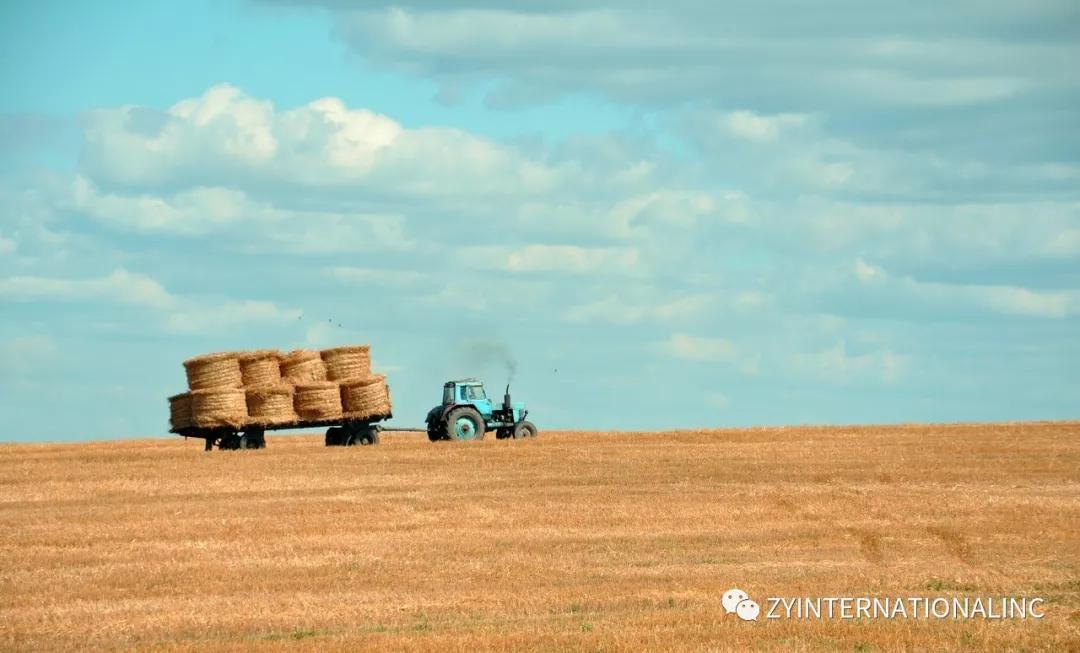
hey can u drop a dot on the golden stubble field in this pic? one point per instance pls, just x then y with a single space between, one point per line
573 541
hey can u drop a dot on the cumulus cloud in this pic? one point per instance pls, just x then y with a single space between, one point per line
620 309
741 51
226 137
119 286
835 364
178 314
556 259
704 349
948 298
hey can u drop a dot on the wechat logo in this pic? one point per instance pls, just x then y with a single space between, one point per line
739 602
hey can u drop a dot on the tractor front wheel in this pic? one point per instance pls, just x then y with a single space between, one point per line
465 423
524 430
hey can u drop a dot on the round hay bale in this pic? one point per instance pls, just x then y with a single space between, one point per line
347 363
366 398
271 404
302 366
317 401
259 368
213 371
218 407
180 411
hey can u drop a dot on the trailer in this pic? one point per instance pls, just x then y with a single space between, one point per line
340 432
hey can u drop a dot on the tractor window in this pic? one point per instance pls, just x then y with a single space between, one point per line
474 393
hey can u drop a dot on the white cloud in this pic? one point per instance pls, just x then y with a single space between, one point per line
23 354
760 128
226 137
835 364
839 54
718 400
204 317
377 276
558 259
7 246
617 309
177 314
119 286
711 350
252 224
1002 299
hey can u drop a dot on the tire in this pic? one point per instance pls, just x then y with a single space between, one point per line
362 436
525 429
335 436
504 434
465 423
253 439
231 441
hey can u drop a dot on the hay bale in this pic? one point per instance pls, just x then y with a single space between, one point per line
366 397
347 363
259 368
180 411
302 366
213 371
219 407
270 405
317 401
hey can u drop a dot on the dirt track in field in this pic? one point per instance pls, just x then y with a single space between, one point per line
572 541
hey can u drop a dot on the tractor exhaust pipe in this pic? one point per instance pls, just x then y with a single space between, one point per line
506 399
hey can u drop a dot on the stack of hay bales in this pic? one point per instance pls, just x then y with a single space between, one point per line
268 388
363 398
216 391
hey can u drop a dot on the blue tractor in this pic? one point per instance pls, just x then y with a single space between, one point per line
466 413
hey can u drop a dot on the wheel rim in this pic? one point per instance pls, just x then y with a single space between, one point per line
464 429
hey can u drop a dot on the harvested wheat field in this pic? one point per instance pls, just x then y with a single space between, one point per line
572 541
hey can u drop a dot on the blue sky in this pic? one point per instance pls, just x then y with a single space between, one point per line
678 216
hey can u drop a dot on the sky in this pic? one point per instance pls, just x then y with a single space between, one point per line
650 216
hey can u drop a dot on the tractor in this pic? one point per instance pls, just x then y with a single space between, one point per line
466 413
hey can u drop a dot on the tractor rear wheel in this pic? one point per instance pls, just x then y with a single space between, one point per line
465 423
524 429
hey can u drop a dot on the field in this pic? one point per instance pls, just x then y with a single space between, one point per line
572 541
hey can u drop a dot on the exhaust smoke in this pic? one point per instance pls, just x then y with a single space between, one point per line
488 353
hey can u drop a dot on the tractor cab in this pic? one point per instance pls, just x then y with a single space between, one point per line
466 413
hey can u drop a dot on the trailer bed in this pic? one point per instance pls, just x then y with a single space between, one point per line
253 432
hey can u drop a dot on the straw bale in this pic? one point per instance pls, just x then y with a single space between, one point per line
302 366
317 400
180 411
366 398
271 404
347 363
210 371
219 407
262 367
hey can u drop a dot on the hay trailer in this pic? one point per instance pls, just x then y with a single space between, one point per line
340 432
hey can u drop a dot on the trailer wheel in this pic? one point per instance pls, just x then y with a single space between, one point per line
253 439
371 436
335 436
362 435
465 423
524 430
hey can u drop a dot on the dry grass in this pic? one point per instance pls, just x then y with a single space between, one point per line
573 541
